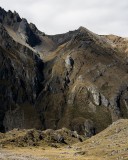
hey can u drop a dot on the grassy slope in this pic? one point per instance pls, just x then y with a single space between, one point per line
110 144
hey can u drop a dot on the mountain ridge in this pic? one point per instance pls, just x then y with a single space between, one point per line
76 80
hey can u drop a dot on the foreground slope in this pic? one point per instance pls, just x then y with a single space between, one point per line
110 144
77 80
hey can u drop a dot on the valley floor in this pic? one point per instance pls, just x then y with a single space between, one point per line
43 154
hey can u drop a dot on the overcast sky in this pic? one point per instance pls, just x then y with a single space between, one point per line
59 16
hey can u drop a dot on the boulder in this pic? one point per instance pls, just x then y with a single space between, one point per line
95 94
69 62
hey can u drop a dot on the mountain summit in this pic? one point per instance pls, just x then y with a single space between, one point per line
77 80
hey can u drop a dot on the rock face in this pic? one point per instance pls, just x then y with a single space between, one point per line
77 80
27 34
21 74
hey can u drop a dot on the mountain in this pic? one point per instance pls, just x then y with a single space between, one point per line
77 80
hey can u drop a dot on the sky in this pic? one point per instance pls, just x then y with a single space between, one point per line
60 16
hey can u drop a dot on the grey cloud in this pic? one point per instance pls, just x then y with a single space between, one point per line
58 16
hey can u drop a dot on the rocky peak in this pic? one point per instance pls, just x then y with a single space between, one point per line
2 14
2 11
23 27
28 32
34 28
83 29
9 18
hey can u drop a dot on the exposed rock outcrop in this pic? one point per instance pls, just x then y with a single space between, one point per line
33 137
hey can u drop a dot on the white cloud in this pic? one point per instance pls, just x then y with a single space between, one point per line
58 16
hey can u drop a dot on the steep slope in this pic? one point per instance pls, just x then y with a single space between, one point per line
112 143
86 86
76 80
20 81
